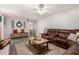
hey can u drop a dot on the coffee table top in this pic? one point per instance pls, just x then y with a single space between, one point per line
40 41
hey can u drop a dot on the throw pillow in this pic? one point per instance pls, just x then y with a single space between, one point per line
78 40
73 37
15 31
22 31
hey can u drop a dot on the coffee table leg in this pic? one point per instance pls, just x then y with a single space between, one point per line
47 45
29 42
39 46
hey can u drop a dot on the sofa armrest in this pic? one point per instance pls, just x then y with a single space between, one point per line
45 35
73 50
71 43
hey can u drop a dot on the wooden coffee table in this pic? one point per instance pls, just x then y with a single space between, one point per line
40 45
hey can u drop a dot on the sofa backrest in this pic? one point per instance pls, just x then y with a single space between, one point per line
50 30
75 31
53 31
64 33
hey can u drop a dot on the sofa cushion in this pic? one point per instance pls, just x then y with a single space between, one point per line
65 31
56 32
64 35
75 31
61 35
60 40
68 53
73 50
45 36
71 43
72 37
50 31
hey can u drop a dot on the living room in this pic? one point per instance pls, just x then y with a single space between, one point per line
29 29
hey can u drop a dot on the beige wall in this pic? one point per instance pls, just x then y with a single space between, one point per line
7 28
65 20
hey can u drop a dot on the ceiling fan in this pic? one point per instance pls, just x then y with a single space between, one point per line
41 9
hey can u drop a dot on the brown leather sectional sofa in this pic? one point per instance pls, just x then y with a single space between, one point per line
59 38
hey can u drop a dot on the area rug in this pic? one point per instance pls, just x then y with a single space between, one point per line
22 48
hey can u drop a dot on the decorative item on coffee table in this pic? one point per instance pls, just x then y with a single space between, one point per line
35 36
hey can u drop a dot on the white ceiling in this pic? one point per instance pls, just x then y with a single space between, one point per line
27 10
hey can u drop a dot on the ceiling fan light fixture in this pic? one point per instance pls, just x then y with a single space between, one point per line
41 9
41 5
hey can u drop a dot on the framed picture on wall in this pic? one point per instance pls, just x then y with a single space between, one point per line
19 24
